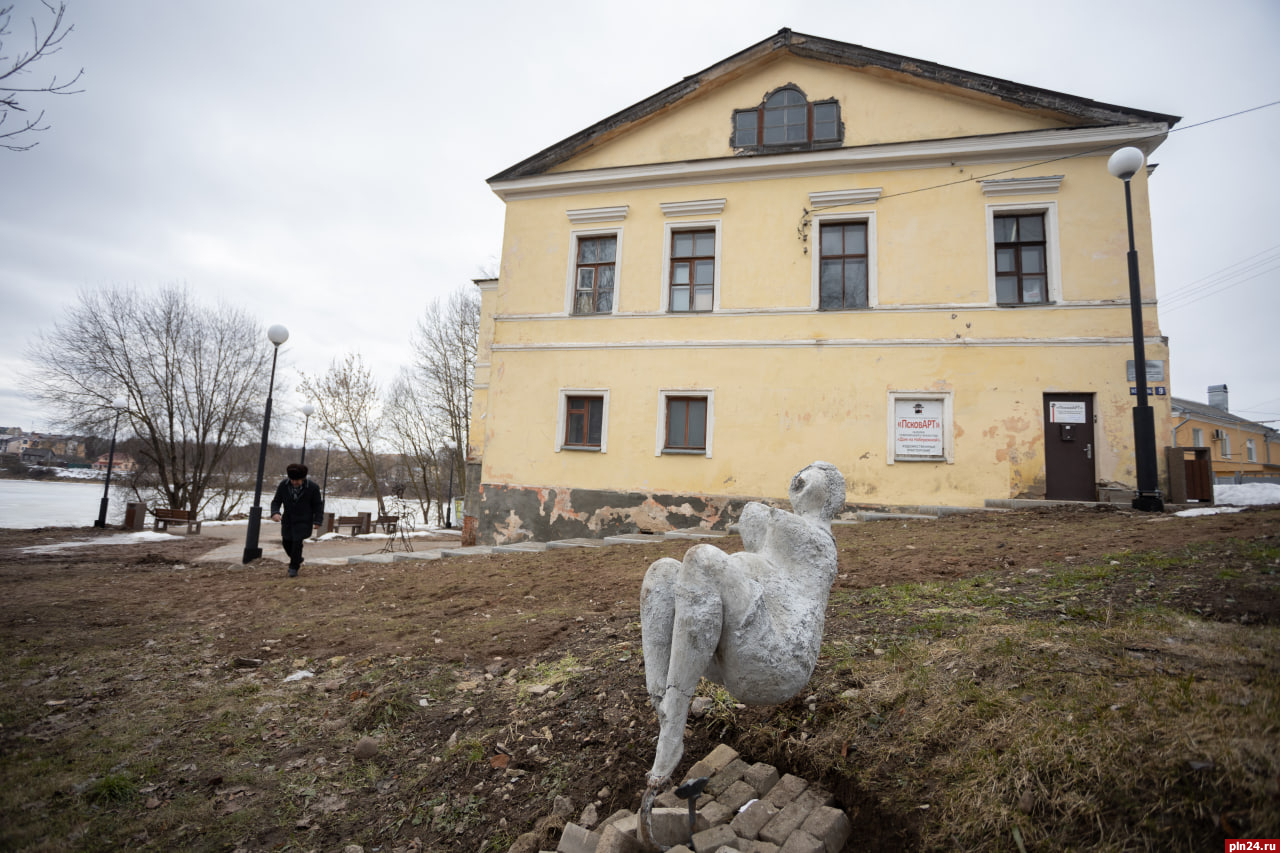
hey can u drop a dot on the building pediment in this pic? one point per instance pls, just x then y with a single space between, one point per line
818 95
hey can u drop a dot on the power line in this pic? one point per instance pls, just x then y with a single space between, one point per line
1225 279
1177 291
1039 163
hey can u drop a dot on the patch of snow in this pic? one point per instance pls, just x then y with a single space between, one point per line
1234 498
1247 494
117 539
300 674
79 473
1208 510
417 534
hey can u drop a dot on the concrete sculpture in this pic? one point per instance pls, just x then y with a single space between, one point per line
751 621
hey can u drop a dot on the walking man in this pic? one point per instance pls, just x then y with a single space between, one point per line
303 509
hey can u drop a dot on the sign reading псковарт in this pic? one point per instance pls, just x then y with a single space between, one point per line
917 431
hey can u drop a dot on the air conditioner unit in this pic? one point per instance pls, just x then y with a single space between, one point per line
1219 435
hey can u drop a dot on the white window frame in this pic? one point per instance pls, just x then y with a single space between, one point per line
815 274
948 426
562 418
571 275
1226 445
660 440
1250 450
1052 246
1197 437
689 225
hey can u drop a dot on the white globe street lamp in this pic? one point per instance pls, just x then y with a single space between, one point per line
307 410
277 335
1124 164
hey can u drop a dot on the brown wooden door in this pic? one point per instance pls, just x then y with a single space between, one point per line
1199 478
1069 448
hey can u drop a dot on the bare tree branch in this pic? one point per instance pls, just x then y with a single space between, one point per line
349 409
413 429
13 67
444 348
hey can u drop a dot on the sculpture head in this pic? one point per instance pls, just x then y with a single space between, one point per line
817 492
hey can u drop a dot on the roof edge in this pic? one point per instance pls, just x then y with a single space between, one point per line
843 53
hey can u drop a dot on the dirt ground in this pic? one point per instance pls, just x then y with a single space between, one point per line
145 702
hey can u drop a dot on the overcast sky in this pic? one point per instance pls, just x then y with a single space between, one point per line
323 164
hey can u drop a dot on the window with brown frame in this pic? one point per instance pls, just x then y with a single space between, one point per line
583 421
693 270
595 274
1021 259
787 119
686 423
842 266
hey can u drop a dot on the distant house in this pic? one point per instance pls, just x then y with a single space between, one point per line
123 463
1240 450
61 445
36 456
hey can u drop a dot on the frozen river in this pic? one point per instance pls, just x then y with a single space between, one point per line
53 503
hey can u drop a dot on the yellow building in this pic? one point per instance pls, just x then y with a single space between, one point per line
812 250
1240 450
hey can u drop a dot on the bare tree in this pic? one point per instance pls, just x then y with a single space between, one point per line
444 360
428 408
194 377
349 409
413 429
13 68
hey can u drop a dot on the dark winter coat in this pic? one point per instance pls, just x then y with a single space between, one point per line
299 514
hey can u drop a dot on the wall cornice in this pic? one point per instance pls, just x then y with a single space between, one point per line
998 148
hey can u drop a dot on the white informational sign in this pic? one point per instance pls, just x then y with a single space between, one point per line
917 429
1061 412
1155 370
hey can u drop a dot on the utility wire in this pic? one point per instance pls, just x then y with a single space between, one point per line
1182 297
1178 291
1224 279
1039 163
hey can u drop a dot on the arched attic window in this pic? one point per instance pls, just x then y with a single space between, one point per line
787 120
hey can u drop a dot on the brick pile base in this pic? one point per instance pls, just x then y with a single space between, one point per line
744 807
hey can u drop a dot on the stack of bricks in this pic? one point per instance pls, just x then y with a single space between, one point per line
744 807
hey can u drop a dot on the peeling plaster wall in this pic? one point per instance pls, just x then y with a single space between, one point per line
509 514
789 382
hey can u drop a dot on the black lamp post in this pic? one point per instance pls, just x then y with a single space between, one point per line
119 404
307 410
448 511
1124 164
277 335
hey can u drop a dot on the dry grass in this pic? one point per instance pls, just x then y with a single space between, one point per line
1122 701
1118 728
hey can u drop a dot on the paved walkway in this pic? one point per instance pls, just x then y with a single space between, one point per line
447 543
441 543
330 552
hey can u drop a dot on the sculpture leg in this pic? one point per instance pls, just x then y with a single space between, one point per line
657 616
697 618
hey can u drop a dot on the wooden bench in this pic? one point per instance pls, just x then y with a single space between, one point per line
165 517
357 523
387 523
